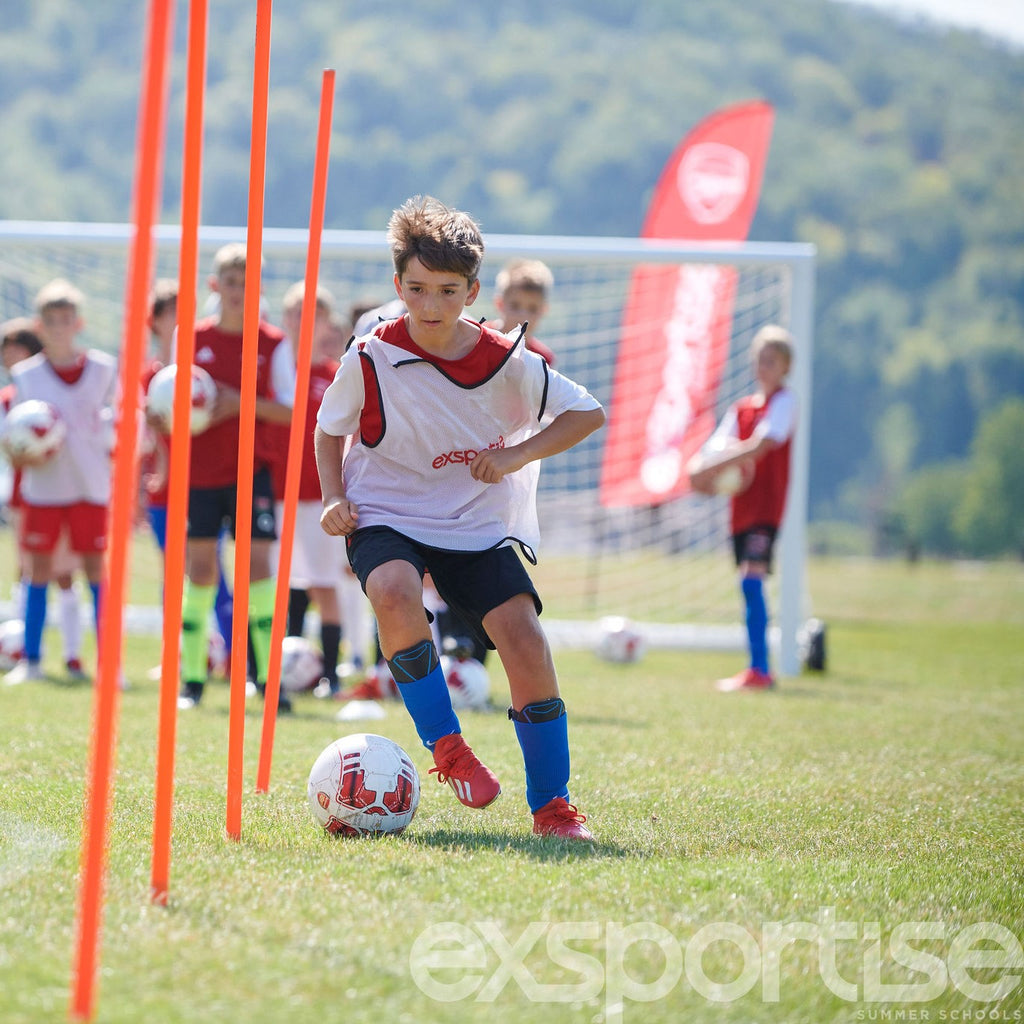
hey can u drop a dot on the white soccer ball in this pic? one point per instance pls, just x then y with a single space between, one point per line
32 428
469 685
620 641
302 664
363 784
160 397
12 643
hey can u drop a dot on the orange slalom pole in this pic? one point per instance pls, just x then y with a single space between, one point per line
247 419
181 449
297 435
149 165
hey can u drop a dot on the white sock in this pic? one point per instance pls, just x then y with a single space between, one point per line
71 623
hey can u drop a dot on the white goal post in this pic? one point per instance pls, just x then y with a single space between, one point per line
668 568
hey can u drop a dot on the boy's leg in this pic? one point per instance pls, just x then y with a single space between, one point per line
393 581
538 715
43 525
752 586
197 603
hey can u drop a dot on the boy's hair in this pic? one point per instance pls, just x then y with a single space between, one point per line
296 294
776 337
530 275
21 331
439 237
163 295
229 257
58 294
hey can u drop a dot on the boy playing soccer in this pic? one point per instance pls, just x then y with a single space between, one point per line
213 479
758 431
447 421
70 490
522 288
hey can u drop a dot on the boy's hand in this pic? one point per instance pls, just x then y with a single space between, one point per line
494 464
26 460
339 517
228 402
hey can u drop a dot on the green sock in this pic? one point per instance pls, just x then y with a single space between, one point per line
195 618
262 597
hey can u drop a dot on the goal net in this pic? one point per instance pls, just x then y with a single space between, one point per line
666 566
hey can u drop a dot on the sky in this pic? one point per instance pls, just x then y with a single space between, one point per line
1003 19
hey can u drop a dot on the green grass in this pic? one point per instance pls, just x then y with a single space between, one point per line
887 790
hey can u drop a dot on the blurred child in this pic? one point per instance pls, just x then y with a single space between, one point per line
213 479
448 420
70 489
756 434
522 292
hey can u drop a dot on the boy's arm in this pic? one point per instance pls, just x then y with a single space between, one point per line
339 517
564 431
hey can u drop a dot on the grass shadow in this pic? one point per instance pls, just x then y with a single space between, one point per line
543 848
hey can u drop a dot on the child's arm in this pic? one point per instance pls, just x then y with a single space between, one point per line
339 517
564 431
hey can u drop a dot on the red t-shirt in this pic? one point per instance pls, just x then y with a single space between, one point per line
320 377
214 461
764 501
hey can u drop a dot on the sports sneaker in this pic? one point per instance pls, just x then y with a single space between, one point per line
560 819
369 689
748 679
75 671
191 694
455 763
284 702
24 672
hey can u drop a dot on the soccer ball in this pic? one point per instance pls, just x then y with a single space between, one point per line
469 685
12 643
160 397
32 428
302 664
363 784
620 641
733 479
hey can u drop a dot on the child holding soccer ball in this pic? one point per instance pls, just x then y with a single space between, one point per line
756 433
448 420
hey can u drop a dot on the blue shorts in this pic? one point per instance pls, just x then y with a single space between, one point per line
210 509
472 583
755 545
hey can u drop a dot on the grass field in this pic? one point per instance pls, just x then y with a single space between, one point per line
842 849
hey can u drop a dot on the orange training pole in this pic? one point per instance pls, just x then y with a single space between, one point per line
177 498
298 430
149 161
247 419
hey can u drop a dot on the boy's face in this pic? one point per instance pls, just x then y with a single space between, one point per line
163 324
772 367
58 326
520 306
229 284
435 299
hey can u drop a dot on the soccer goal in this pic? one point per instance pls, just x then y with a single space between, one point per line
665 565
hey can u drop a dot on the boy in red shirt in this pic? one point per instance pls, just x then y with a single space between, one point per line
756 433
213 478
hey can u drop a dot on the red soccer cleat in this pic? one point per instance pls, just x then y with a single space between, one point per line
560 819
455 763
748 679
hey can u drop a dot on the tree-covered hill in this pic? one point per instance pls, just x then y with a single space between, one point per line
898 150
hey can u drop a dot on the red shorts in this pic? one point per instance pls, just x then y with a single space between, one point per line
41 526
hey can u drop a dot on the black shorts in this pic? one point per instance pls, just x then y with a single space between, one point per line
210 509
755 545
471 583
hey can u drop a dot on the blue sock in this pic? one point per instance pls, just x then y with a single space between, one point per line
35 619
223 608
424 692
542 731
95 589
757 622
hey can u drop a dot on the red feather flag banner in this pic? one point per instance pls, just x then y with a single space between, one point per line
677 320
